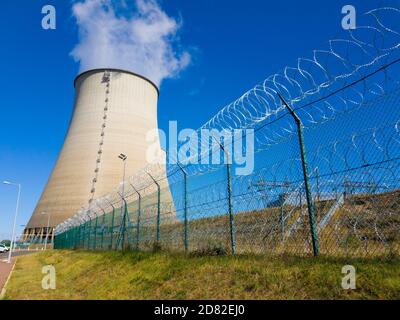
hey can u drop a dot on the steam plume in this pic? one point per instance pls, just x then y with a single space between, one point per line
142 43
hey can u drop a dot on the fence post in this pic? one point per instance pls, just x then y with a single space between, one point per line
304 162
66 239
102 224
229 187
138 217
72 237
73 240
112 223
123 227
102 229
78 241
75 236
88 233
83 234
231 225
88 229
112 228
69 235
158 207
185 208
95 233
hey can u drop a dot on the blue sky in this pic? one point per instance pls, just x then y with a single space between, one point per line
234 45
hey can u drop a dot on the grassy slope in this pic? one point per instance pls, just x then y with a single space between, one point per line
113 275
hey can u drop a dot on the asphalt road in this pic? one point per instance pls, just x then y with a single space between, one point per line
4 256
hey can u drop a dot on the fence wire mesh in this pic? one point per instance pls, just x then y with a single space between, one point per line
326 166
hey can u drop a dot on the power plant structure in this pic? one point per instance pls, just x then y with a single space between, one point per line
113 111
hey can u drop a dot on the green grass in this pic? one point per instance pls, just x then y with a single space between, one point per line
133 275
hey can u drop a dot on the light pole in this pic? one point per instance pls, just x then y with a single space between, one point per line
15 217
123 157
47 230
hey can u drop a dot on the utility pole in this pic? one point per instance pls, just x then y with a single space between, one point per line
15 217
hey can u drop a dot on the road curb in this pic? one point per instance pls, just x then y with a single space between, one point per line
3 291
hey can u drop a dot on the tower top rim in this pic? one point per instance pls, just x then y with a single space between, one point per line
116 70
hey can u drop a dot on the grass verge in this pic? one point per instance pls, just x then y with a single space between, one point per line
137 275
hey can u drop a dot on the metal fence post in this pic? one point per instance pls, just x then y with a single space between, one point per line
78 240
112 227
70 236
231 225
123 227
66 239
282 211
185 208
229 187
102 229
158 207
83 234
138 217
102 224
112 223
89 232
95 233
75 236
304 162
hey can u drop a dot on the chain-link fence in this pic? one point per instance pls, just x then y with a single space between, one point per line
325 177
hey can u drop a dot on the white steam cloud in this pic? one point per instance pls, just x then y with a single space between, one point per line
143 43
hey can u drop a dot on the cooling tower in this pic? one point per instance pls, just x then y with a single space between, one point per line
113 111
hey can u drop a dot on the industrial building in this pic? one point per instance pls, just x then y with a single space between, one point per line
113 111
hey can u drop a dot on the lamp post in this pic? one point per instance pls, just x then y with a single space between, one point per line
15 217
47 230
123 157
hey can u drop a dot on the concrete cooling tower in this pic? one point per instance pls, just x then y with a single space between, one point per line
113 111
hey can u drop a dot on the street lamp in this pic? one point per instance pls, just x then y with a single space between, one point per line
15 217
47 230
123 157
